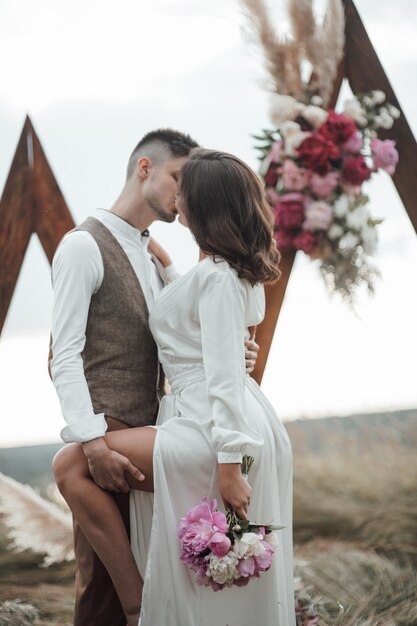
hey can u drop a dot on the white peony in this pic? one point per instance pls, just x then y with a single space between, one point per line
315 115
222 569
341 205
349 241
353 109
283 108
248 545
358 218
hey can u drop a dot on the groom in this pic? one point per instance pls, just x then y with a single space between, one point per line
103 358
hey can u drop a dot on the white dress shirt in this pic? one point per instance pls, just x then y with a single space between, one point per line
77 274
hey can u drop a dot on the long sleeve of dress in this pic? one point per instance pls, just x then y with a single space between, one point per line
221 309
77 273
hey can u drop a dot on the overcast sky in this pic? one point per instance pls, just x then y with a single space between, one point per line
94 77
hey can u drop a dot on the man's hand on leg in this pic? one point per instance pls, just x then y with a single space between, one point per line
108 468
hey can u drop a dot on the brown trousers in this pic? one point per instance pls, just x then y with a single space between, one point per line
96 601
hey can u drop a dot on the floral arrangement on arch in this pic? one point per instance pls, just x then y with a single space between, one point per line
316 161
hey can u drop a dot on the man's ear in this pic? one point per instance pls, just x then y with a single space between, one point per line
143 167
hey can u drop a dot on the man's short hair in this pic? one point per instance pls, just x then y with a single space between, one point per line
161 145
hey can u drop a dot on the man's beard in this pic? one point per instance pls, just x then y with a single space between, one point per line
157 208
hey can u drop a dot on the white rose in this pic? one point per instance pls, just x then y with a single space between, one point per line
222 569
341 206
315 115
357 218
353 109
335 232
349 241
283 108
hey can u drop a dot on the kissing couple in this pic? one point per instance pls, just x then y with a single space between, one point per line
139 456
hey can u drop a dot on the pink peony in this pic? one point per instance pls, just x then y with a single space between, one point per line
306 241
385 155
295 178
246 567
354 144
355 171
264 560
219 544
289 210
319 216
275 153
323 186
242 581
337 128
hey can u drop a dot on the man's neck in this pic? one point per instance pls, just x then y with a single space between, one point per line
131 214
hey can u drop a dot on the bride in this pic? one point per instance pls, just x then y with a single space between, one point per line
215 414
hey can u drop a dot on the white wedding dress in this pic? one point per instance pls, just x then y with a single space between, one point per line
216 411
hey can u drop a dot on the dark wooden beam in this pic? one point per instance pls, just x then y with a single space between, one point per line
31 203
365 72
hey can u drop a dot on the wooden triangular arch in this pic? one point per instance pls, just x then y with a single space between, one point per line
364 72
32 202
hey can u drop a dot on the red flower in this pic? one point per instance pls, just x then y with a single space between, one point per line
337 128
306 241
289 210
316 153
285 238
272 175
355 171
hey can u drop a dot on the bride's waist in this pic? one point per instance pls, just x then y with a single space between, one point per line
182 374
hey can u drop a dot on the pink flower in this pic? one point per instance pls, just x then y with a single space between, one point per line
275 153
206 511
355 171
219 544
306 241
319 215
354 144
289 210
385 155
295 178
264 560
246 567
323 186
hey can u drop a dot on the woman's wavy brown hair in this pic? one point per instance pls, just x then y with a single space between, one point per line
229 215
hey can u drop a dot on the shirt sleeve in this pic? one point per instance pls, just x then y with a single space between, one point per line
77 273
221 308
167 274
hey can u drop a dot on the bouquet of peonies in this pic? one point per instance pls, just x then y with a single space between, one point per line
223 550
314 165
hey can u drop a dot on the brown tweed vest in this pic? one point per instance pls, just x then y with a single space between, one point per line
120 355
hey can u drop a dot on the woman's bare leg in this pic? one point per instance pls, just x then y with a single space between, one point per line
98 515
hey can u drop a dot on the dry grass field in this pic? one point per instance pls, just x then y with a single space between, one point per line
355 531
